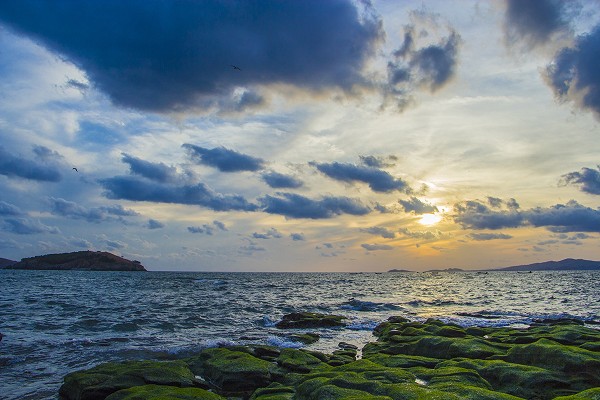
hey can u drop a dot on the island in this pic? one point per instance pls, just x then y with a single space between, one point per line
568 264
4 262
78 261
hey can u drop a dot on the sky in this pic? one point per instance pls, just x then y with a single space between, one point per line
301 135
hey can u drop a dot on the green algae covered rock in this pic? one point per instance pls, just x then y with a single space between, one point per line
298 360
275 391
590 394
410 360
310 320
104 379
232 371
306 338
157 392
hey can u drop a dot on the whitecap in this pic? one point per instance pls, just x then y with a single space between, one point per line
361 305
279 341
268 322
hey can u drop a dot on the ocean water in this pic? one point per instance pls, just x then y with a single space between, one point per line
56 322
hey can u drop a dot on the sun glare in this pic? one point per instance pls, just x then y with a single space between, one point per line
430 219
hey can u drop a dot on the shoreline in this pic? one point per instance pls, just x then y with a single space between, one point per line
548 360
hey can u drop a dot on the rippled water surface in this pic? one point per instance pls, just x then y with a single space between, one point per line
56 322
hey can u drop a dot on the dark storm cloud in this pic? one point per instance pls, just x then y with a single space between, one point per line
15 166
535 22
156 171
297 237
207 229
378 162
223 159
377 179
220 225
375 247
46 155
417 206
570 217
489 236
588 179
270 234
478 215
166 55
154 224
436 64
9 209
430 65
574 75
277 180
297 206
380 231
26 226
73 210
135 189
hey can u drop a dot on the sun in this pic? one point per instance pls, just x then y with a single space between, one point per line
430 219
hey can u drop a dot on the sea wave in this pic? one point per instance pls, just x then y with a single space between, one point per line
438 303
362 305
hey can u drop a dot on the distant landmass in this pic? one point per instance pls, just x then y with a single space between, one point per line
4 262
79 261
446 270
568 264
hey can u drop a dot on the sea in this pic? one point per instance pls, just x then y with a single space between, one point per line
56 322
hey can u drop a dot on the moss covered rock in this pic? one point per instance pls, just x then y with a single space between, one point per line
310 320
306 338
410 360
105 379
157 392
232 371
590 394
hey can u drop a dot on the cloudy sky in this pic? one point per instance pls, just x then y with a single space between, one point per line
301 135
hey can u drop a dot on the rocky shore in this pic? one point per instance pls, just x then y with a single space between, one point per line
557 359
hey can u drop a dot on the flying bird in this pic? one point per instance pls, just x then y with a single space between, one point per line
75 169
236 67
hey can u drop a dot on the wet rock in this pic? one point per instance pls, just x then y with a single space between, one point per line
310 320
157 392
409 360
306 338
298 360
99 382
232 371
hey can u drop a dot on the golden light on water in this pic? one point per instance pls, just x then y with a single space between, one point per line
430 219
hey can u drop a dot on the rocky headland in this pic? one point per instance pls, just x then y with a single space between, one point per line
557 359
4 262
79 261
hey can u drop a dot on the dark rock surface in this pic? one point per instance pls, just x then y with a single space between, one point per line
310 320
80 260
